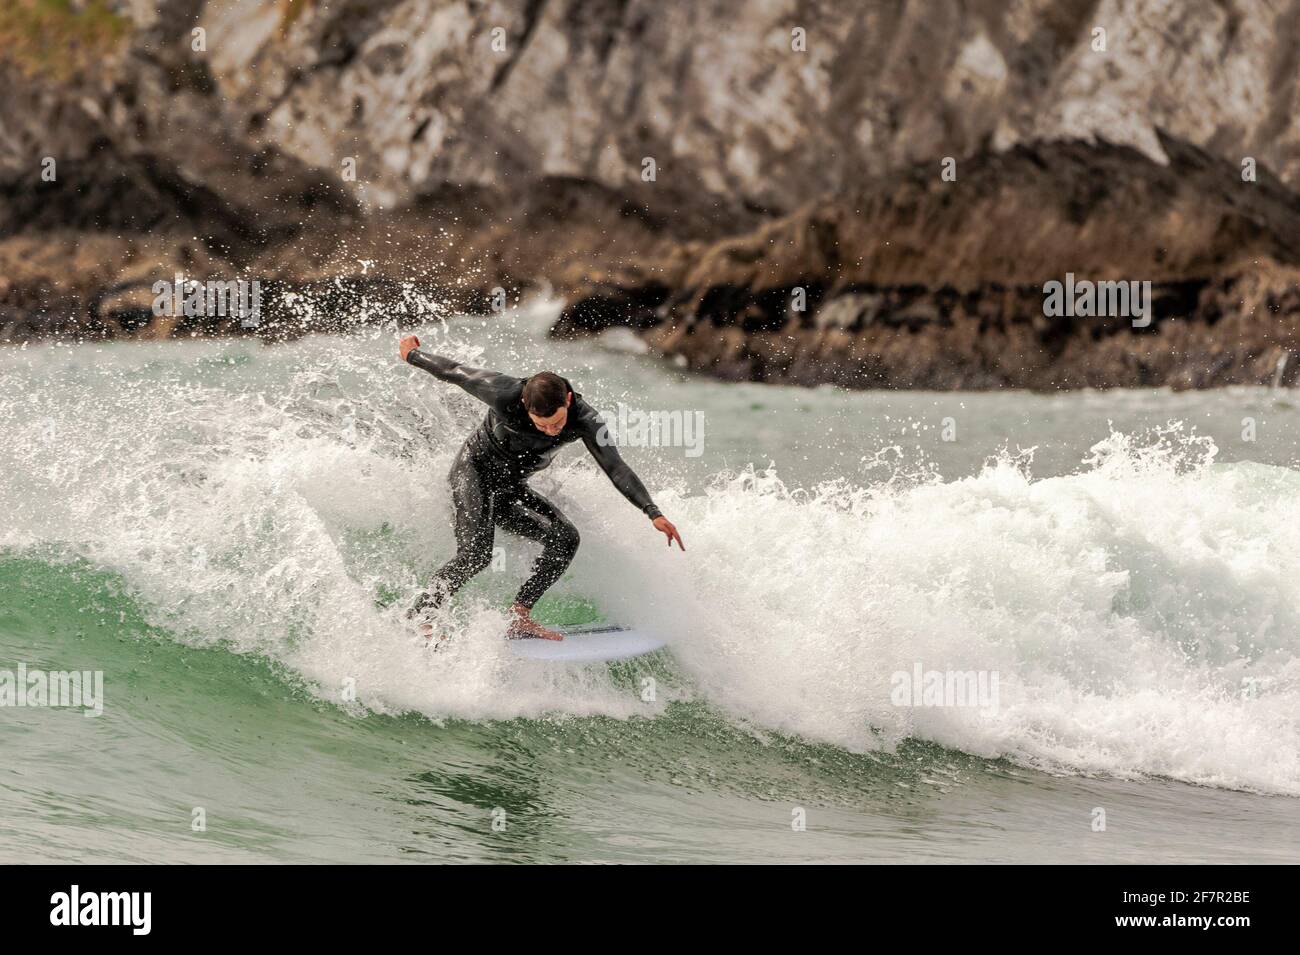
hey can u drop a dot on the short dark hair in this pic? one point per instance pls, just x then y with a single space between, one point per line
545 393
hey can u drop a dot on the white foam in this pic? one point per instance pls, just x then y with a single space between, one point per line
1123 608
1141 616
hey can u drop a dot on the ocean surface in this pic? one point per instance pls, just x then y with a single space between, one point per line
230 532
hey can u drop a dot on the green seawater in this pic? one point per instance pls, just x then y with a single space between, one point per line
228 532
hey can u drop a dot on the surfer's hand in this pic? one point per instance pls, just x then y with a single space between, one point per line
664 526
407 345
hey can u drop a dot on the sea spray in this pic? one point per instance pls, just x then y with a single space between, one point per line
1140 612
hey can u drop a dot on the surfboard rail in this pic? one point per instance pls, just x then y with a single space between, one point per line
589 643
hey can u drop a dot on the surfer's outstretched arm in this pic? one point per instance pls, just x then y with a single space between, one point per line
596 436
486 386
621 475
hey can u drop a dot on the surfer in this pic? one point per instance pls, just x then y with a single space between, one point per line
528 421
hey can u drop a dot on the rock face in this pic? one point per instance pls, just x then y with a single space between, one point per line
680 168
845 291
766 104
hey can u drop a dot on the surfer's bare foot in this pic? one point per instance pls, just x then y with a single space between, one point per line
524 627
432 638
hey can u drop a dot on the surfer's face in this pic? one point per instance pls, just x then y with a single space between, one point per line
554 424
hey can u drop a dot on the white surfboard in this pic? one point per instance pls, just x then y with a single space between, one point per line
592 643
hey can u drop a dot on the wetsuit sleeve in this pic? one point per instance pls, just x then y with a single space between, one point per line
487 386
601 445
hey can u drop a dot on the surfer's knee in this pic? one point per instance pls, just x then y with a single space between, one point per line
564 537
473 554
476 558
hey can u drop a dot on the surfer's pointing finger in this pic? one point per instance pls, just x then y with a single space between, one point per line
665 527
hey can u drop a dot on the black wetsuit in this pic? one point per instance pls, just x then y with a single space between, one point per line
489 475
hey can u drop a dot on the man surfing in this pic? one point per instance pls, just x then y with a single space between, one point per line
528 421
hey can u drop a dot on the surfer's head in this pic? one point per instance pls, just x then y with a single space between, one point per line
546 399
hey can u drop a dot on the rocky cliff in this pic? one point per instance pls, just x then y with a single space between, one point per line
910 173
